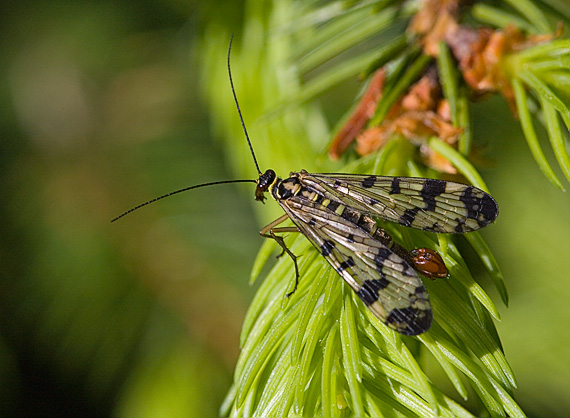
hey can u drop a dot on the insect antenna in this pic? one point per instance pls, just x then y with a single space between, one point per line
213 183
238 108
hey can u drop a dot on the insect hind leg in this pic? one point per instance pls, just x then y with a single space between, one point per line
269 232
282 230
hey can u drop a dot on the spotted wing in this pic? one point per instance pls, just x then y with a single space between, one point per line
384 281
428 204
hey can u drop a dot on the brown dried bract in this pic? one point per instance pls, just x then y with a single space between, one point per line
418 126
419 115
479 52
482 69
435 20
422 112
424 94
361 115
372 139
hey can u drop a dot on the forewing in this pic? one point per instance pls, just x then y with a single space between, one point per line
427 204
386 283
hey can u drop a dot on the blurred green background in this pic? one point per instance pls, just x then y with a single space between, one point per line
103 108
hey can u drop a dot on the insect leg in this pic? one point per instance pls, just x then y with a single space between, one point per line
282 230
269 232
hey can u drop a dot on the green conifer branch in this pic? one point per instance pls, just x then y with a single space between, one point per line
321 352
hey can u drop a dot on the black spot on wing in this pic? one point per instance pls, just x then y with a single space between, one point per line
489 208
420 291
430 190
368 293
395 187
483 208
327 247
410 321
349 262
460 227
433 187
380 258
408 216
369 182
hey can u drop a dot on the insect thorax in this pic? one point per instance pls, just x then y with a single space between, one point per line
295 187
284 189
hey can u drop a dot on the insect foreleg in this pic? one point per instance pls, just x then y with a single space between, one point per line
269 232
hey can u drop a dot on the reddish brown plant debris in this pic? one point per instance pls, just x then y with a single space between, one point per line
479 52
417 127
436 161
361 115
422 112
482 68
372 139
434 21
416 117
424 94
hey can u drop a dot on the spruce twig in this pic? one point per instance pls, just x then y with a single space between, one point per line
321 352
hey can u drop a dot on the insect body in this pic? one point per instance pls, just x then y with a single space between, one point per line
337 212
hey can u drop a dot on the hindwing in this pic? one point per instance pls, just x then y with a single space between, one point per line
384 281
